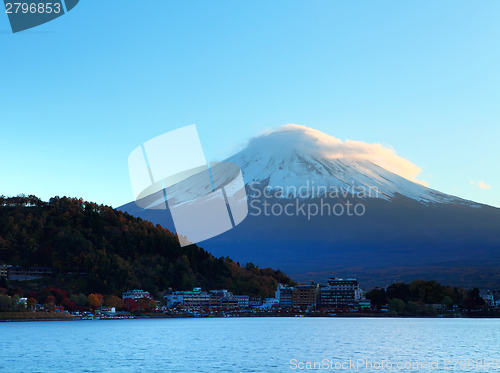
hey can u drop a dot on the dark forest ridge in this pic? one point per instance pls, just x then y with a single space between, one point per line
95 248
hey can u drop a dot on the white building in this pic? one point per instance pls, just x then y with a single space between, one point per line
341 293
269 303
23 301
195 298
136 294
108 310
488 297
284 295
175 298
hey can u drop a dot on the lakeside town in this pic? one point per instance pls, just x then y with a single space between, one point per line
339 297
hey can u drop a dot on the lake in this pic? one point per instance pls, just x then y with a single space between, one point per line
251 345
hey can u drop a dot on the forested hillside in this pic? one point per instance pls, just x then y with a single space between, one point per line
95 248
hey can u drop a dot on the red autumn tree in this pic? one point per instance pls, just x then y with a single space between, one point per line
50 302
130 305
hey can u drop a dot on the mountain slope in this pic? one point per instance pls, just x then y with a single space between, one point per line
94 248
406 230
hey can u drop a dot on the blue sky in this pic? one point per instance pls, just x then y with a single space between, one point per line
81 92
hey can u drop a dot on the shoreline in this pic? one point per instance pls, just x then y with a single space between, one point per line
270 315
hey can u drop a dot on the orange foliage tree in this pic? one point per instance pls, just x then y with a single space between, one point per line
95 300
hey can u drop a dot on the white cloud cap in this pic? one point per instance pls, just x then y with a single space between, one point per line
332 148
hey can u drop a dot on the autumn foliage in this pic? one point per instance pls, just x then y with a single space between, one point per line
95 248
95 300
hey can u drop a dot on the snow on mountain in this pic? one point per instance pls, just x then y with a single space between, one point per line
294 157
408 232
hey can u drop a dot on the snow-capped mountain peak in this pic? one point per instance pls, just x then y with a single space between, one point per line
297 156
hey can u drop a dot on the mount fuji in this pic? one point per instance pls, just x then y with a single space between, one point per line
319 206
297 156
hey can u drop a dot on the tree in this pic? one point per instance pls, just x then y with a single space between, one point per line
473 299
113 301
69 305
31 304
377 297
50 303
152 304
430 310
399 290
4 302
142 304
413 308
447 302
397 305
14 301
80 300
95 301
93 248
130 305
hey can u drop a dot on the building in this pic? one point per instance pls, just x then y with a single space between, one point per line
222 293
488 297
229 302
196 298
214 300
364 304
305 295
110 311
255 301
4 270
496 298
243 300
284 295
225 298
190 299
217 295
174 298
269 303
340 293
136 294
24 274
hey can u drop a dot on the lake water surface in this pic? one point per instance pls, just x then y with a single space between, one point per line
251 345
